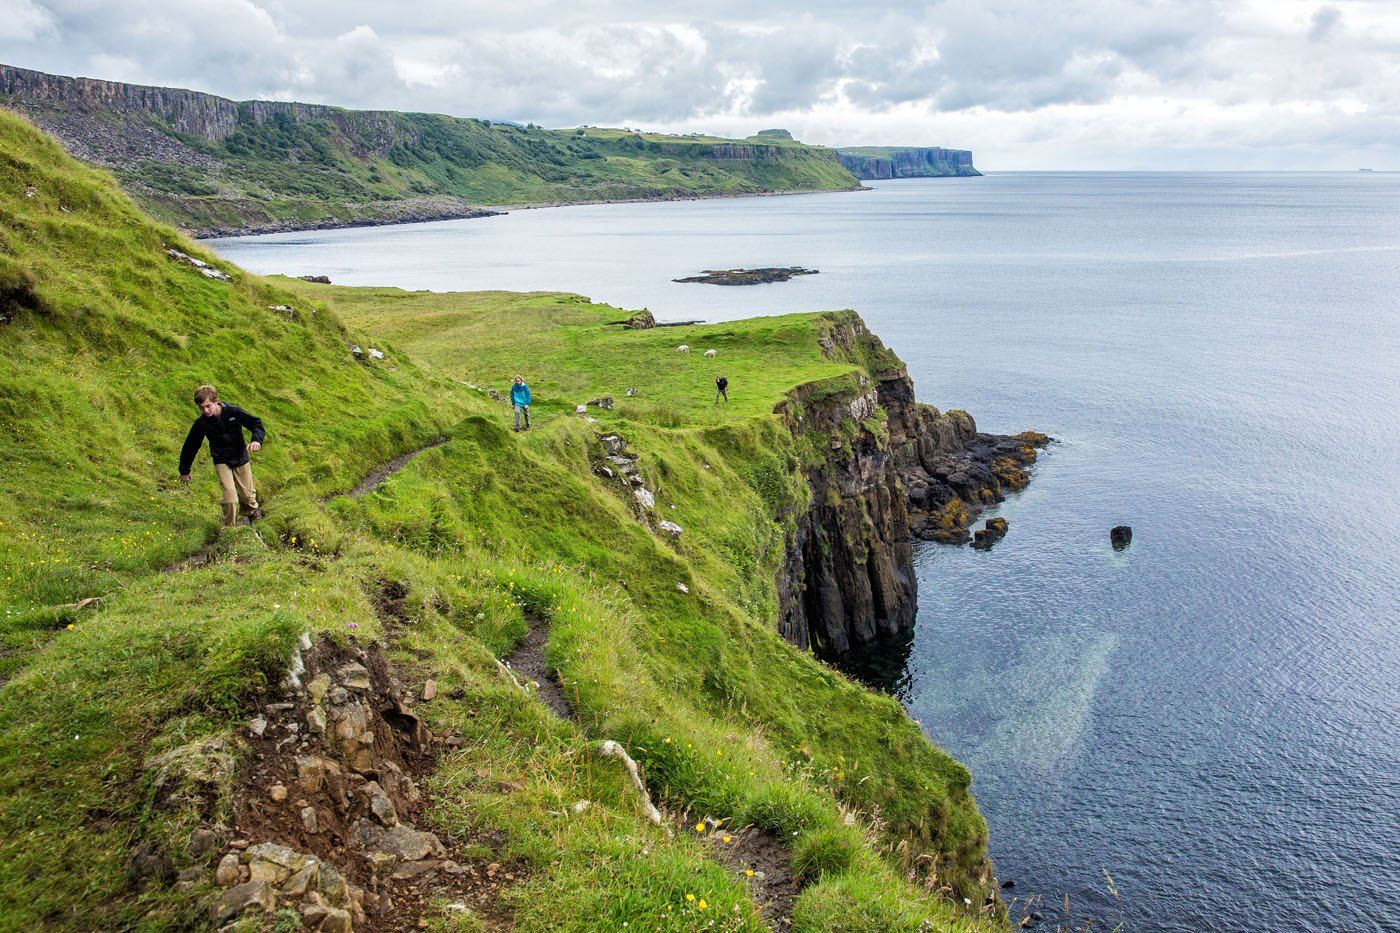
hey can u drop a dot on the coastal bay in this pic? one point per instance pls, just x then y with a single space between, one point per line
1206 716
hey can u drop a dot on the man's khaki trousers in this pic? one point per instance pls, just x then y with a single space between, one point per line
238 487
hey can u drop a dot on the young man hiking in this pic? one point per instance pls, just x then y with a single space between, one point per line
222 425
520 401
721 389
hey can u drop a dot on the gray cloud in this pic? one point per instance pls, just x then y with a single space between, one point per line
1148 81
1324 20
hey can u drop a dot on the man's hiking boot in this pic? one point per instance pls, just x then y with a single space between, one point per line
254 515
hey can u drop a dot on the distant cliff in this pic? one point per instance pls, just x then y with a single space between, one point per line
215 166
867 162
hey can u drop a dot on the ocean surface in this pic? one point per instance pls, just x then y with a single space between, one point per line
1201 732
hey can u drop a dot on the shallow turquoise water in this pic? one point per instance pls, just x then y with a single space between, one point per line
1211 717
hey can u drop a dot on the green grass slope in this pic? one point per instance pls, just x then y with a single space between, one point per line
103 337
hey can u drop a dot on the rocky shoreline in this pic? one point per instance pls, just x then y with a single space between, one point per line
847 577
294 226
467 212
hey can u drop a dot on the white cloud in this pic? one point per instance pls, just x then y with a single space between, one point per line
1077 83
23 21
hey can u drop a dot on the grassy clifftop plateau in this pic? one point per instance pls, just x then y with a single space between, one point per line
131 672
213 165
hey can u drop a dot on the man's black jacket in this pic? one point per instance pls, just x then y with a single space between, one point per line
225 434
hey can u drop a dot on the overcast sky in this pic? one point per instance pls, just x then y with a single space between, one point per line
1077 84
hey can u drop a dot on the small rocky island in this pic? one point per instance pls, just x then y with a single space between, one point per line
747 276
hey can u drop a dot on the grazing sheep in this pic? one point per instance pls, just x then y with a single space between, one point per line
683 349
709 352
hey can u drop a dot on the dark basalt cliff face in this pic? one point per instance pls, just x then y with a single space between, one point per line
914 162
848 575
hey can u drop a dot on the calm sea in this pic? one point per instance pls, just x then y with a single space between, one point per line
1201 732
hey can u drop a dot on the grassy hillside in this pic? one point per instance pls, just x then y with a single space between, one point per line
313 171
205 163
445 564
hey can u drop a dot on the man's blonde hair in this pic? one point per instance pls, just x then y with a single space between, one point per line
205 394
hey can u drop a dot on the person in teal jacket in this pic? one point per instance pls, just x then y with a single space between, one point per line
520 400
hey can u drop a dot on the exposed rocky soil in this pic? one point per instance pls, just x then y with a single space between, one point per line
328 809
747 276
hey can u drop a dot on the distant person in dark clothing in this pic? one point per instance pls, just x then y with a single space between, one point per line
520 401
721 389
222 425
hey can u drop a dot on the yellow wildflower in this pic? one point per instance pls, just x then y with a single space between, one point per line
728 839
699 827
690 897
749 872
702 905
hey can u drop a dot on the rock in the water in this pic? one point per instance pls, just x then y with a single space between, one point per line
1121 536
747 276
245 898
992 532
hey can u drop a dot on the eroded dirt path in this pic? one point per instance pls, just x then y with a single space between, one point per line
527 661
763 859
377 476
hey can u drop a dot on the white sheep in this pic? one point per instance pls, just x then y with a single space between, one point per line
710 353
683 349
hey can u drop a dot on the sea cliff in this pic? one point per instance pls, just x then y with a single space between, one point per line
875 162
883 469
